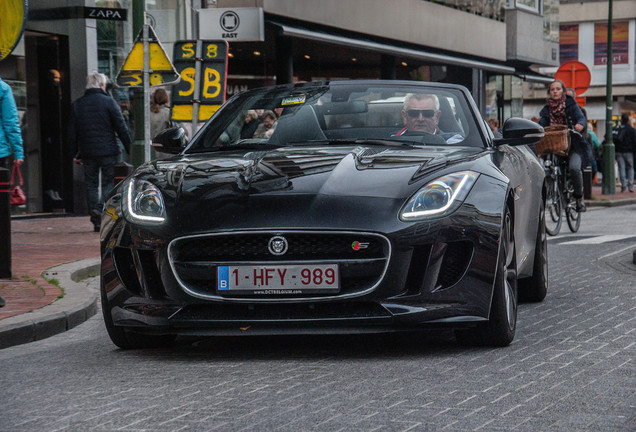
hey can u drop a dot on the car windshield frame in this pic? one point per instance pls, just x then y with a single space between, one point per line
324 113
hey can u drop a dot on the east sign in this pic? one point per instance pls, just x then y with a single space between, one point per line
234 24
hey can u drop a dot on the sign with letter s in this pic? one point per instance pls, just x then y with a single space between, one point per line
205 88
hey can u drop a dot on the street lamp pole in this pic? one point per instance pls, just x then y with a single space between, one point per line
138 149
609 182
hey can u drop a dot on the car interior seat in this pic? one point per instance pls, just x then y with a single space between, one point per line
298 126
447 121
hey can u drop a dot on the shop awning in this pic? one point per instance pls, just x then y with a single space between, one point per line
528 75
391 49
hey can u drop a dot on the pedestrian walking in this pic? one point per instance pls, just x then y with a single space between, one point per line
624 140
159 112
10 133
95 123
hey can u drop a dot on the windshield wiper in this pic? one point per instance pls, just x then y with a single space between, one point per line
241 146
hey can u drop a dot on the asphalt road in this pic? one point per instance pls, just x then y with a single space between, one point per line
570 368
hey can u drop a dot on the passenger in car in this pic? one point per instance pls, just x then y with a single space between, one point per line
269 118
421 113
251 124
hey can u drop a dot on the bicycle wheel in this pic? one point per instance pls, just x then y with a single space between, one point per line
552 206
572 216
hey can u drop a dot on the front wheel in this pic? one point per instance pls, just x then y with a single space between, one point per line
535 288
572 216
552 207
128 340
502 323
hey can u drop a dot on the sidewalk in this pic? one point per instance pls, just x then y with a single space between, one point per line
65 250
620 198
38 244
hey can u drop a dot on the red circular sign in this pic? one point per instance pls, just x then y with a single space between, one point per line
575 75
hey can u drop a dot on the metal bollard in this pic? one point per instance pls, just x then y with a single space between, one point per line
5 225
587 183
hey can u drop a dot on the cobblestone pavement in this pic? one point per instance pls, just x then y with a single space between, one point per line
570 368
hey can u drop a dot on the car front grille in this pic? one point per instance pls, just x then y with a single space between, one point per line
361 257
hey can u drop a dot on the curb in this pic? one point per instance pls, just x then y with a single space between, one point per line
78 305
610 203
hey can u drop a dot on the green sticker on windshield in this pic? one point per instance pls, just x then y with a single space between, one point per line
293 100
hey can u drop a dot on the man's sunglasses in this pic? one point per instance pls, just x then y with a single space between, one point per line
415 113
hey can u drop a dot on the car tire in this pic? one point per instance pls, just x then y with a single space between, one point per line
500 329
535 288
125 339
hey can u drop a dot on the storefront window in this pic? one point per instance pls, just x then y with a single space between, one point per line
551 20
115 40
489 8
533 5
494 95
19 93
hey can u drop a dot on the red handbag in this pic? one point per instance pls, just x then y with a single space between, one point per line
17 194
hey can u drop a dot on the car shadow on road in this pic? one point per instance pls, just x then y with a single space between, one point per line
350 346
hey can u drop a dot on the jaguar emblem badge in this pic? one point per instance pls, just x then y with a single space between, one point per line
277 245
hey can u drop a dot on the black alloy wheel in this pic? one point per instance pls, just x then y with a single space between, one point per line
125 339
535 288
500 329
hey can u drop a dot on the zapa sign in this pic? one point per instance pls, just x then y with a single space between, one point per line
111 14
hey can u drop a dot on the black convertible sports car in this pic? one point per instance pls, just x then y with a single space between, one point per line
368 206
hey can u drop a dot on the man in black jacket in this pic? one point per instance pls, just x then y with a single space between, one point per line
625 143
95 122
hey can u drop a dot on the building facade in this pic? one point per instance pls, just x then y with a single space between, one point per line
583 38
489 46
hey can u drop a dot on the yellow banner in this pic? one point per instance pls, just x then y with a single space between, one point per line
186 112
12 14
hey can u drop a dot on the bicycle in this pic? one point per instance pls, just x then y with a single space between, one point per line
559 194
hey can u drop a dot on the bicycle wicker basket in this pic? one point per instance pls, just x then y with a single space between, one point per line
556 140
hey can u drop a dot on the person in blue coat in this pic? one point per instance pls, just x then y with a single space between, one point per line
563 109
10 133
95 123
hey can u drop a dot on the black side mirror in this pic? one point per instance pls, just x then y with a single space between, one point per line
518 131
171 140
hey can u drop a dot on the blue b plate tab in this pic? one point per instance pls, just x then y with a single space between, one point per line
223 278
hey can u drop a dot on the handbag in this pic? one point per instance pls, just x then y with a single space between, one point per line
17 194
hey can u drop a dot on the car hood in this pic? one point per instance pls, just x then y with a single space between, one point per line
296 178
349 170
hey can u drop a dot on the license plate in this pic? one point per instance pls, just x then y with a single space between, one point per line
278 280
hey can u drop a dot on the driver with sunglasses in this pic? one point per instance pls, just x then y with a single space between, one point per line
421 113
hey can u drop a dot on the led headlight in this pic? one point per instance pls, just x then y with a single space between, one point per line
439 197
143 203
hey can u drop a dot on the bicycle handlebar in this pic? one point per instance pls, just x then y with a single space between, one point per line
574 131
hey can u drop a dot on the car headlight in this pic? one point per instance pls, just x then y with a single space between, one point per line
143 203
439 197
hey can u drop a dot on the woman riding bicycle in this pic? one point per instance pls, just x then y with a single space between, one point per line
563 109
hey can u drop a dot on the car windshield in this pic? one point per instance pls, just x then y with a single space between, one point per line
346 111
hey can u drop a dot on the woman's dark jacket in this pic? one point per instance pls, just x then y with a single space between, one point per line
574 116
95 119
